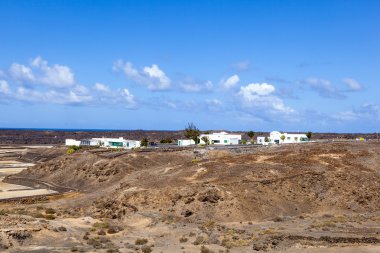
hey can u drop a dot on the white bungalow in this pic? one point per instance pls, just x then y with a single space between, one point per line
105 142
276 137
221 138
117 143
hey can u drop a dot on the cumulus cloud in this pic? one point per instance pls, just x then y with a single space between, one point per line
324 88
352 84
129 98
21 73
4 87
230 82
368 111
23 84
101 87
189 85
39 72
152 77
260 96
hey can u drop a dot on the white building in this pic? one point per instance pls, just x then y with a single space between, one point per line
117 143
276 137
89 142
261 140
105 142
72 142
186 142
221 138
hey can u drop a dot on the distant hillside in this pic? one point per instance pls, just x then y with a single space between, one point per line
9 136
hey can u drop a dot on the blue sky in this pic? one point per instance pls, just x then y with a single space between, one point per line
233 65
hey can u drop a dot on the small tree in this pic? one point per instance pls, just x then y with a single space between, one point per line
282 137
251 134
167 140
144 142
309 135
266 139
192 132
206 140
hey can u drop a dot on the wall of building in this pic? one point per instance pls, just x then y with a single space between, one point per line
72 142
185 142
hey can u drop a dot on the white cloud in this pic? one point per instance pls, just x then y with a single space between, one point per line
56 75
152 77
189 85
101 87
324 88
230 82
4 87
155 72
129 98
21 73
260 96
366 112
256 89
39 72
352 84
214 104
52 96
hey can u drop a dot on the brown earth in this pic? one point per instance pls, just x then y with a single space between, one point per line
314 197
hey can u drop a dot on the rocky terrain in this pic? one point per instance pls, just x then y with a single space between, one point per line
315 197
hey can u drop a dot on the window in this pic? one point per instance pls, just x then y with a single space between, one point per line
296 138
225 141
288 138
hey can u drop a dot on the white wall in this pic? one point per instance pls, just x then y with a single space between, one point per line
222 138
185 142
72 142
275 137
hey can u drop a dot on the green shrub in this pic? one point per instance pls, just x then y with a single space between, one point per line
167 140
72 149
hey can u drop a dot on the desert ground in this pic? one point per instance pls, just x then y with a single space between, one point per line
314 197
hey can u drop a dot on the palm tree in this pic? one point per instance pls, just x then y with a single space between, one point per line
251 134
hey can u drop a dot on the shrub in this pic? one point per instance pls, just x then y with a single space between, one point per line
114 230
144 142
50 211
101 225
167 140
183 239
72 149
141 241
146 249
204 249
49 217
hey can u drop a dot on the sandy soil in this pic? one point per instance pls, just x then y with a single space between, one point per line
11 167
293 198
